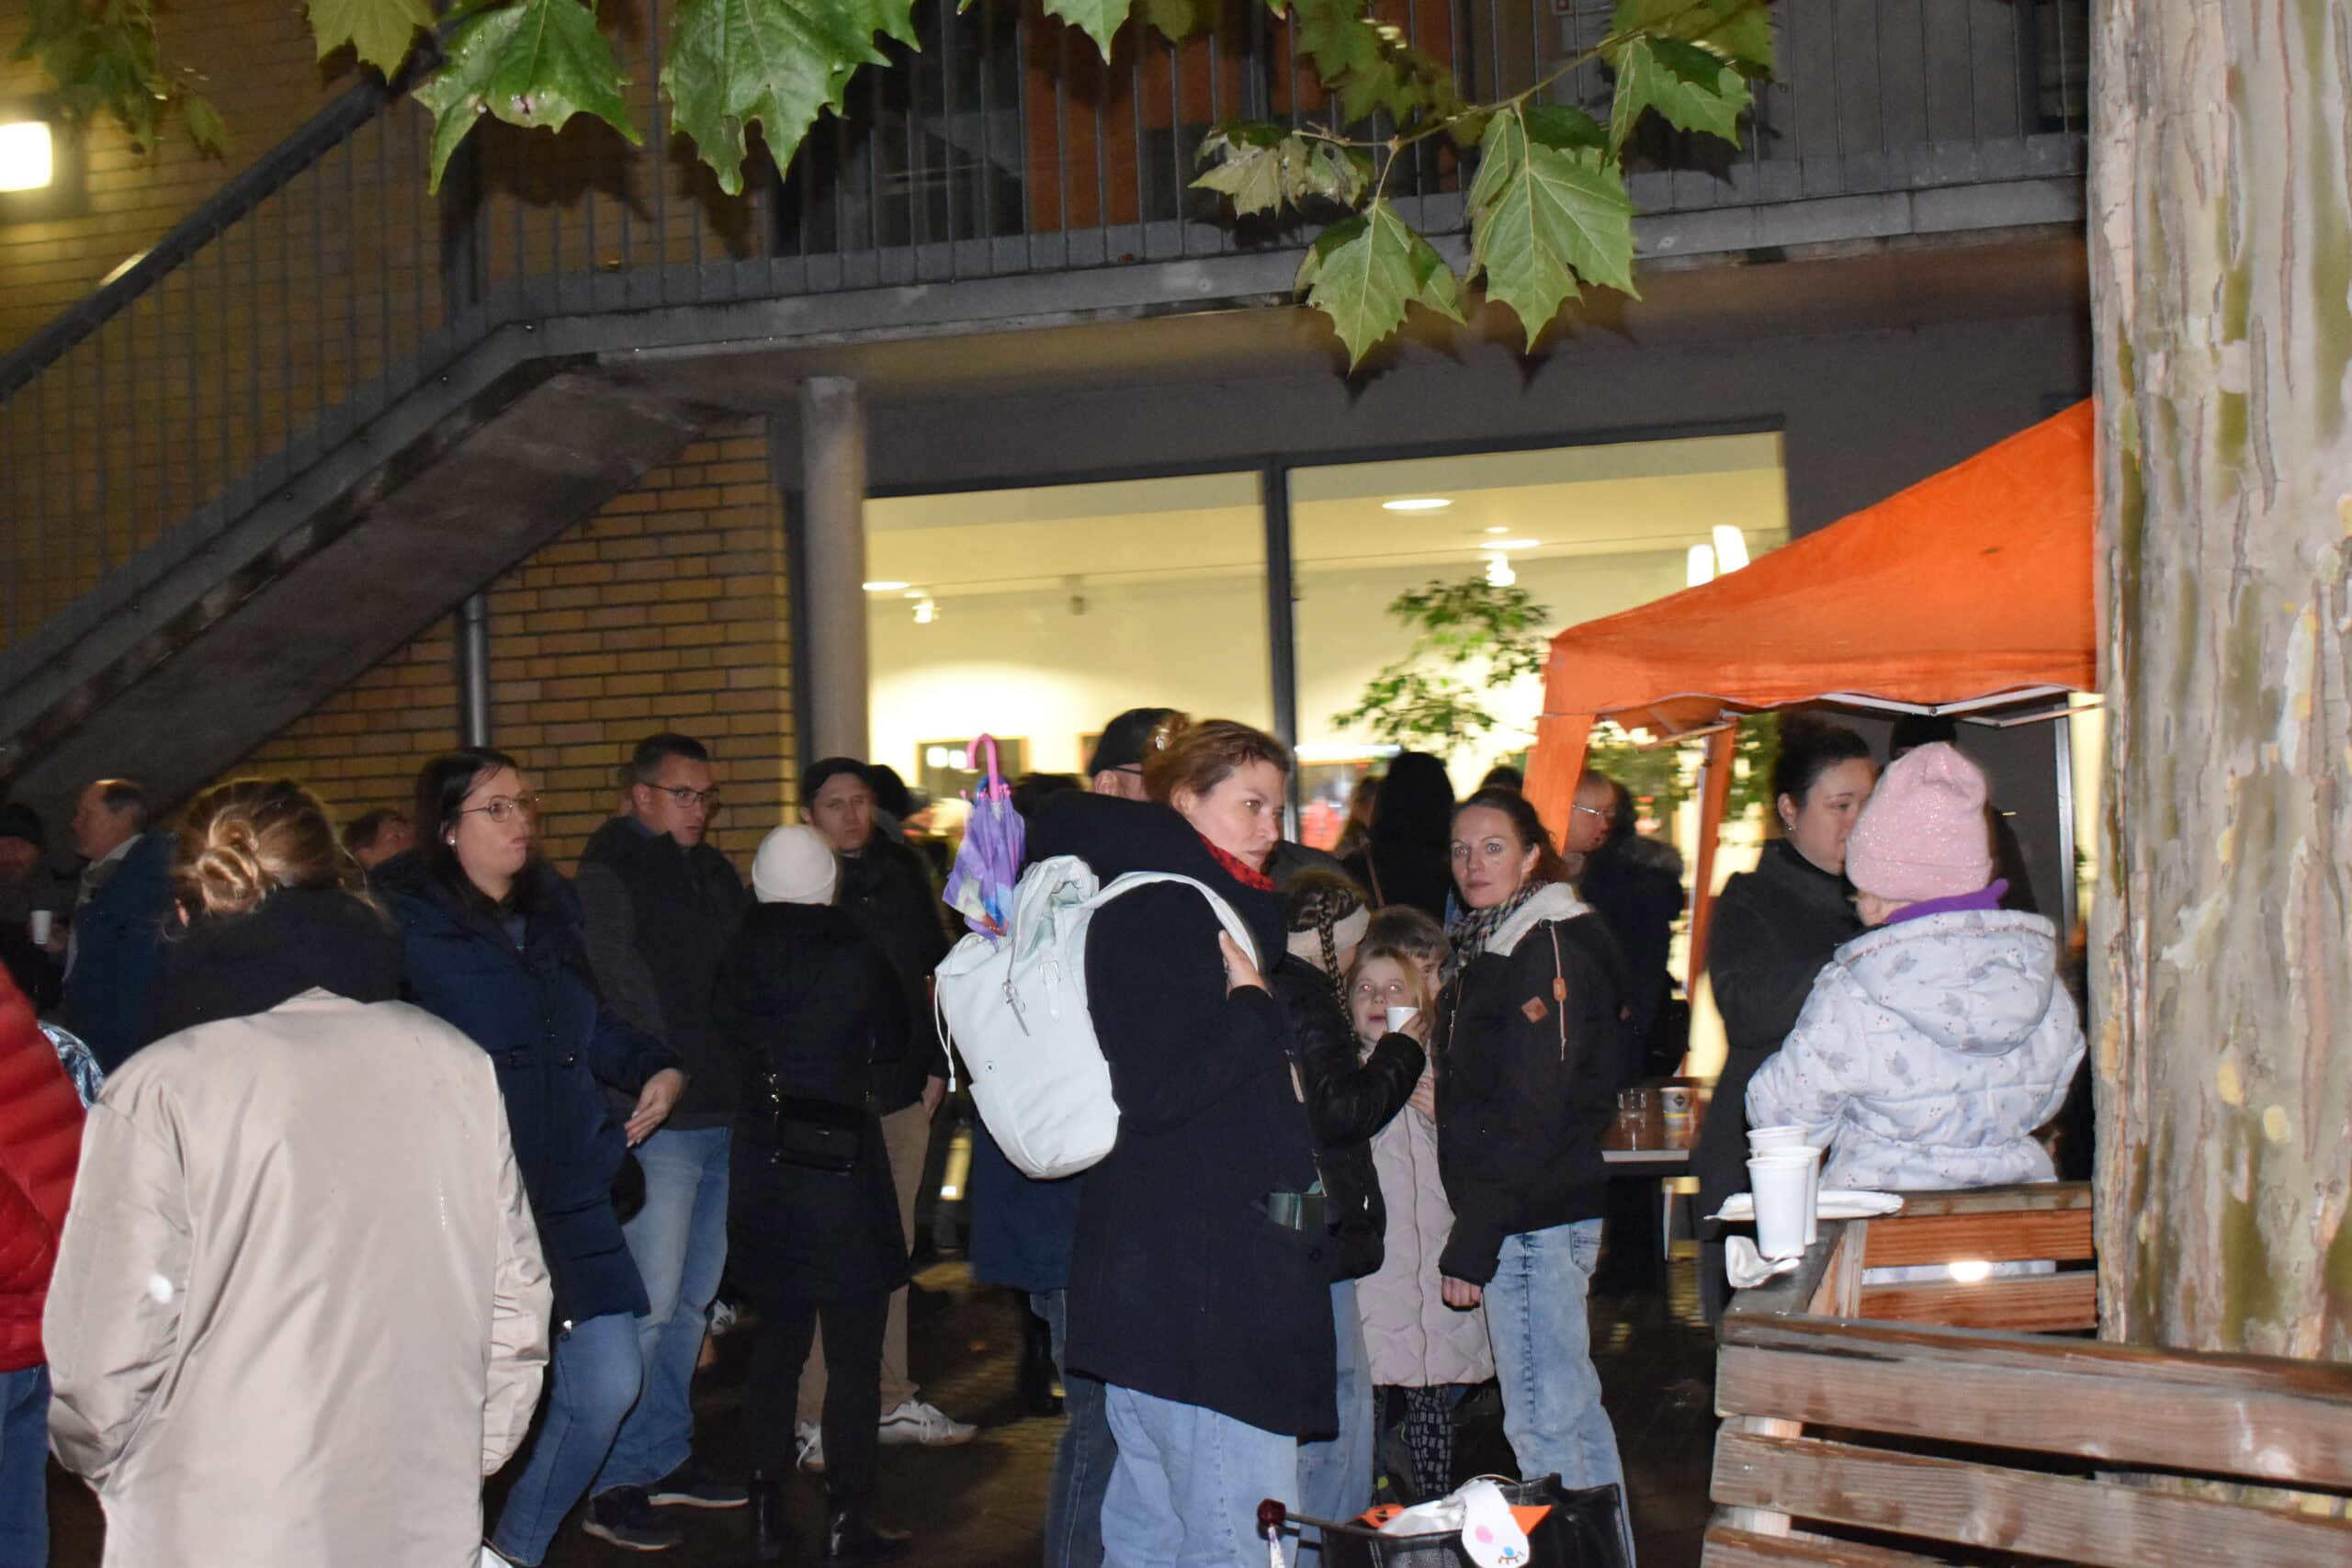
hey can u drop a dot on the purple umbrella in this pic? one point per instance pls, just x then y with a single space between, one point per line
981 885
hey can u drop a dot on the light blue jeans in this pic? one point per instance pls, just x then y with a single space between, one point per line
1186 1489
24 1468
596 1373
1084 1456
678 1241
1539 1319
1335 1476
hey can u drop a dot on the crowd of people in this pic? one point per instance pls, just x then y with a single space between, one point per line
403 1121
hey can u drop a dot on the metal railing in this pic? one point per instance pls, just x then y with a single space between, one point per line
322 283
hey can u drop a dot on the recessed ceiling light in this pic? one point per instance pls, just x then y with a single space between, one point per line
1699 567
1512 544
1498 528
1731 547
885 585
1417 503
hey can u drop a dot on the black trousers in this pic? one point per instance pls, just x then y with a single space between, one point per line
853 1416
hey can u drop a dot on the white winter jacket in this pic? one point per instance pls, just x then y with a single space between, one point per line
1928 1054
1414 1339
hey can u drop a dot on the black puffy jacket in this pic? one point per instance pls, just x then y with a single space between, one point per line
1526 1079
1348 1097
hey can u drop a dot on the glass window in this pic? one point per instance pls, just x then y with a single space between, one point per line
1585 531
1039 613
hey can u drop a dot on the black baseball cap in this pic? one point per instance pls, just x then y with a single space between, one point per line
1123 739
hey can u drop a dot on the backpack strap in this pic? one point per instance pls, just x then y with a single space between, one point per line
1227 915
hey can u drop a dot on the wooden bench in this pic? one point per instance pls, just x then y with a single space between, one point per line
1867 1426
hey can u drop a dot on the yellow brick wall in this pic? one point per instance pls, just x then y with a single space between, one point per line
667 610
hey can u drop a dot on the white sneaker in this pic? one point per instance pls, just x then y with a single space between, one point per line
809 1440
915 1422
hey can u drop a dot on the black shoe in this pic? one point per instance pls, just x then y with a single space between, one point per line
770 1531
851 1536
624 1518
691 1486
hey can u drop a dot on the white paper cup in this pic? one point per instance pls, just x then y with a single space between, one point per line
1782 1186
40 927
1399 1017
1764 1140
1810 1158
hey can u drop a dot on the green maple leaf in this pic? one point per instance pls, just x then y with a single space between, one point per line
1739 31
1556 125
777 62
379 30
535 63
1098 19
1261 168
1363 272
1543 216
1176 20
1693 89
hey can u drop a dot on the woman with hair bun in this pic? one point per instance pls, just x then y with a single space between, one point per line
1774 928
300 1308
1198 1291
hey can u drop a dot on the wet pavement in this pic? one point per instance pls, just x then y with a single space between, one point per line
981 1506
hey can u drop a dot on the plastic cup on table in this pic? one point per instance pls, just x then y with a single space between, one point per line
1783 1188
1764 1140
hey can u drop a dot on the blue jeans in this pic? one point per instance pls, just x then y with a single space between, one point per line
679 1243
1186 1489
597 1371
1538 1320
1083 1458
24 1468
1334 1477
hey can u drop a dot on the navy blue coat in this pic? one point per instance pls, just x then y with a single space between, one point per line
1180 1285
534 1010
118 952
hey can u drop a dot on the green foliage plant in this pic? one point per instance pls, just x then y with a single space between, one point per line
1426 700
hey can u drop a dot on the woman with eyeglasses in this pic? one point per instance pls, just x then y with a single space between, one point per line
493 944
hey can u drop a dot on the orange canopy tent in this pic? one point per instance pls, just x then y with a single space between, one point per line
1971 593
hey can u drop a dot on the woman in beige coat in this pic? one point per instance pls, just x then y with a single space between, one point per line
299 1310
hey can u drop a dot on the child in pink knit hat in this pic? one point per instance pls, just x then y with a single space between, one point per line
1933 1045
1924 837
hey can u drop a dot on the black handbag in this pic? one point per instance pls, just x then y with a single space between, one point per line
1580 1528
819 1134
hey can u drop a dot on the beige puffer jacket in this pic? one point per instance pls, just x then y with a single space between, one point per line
1415 1340
300 1308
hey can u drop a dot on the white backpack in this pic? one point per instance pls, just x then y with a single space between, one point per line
1014 1008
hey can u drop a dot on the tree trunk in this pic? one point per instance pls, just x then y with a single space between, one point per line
2221 260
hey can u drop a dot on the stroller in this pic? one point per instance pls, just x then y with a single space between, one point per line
1580 1528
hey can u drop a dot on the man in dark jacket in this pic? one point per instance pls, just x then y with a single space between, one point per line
886 891
27 886
116 945
1635 884
661 905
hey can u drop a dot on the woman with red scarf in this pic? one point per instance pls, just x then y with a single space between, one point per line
1198 1289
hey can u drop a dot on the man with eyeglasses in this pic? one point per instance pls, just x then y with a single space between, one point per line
661 906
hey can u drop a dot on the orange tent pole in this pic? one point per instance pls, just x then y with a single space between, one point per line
1715 794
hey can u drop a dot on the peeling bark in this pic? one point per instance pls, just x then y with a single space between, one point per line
2221 285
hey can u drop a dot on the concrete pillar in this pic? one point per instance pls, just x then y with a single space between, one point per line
832 526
